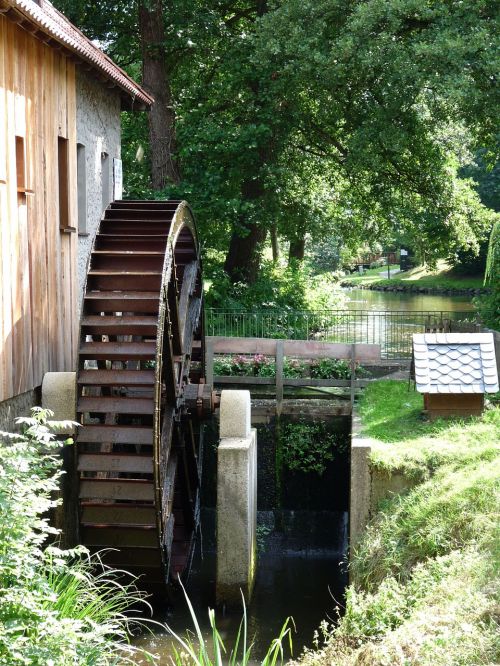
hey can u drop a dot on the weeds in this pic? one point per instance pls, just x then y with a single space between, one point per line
55 610
308 447
195 649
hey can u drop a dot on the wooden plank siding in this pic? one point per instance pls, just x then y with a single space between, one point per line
38 284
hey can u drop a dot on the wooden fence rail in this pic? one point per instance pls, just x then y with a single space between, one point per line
367 354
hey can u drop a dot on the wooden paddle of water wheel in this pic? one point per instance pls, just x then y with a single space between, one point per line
141 391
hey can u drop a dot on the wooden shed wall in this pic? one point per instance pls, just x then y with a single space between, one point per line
38 287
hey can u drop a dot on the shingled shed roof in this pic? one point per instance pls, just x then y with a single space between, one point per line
43 20
455 363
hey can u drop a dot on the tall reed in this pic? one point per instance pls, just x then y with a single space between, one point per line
197 651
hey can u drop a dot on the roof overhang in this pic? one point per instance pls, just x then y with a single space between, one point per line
46 23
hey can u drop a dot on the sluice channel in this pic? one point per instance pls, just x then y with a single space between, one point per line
302 541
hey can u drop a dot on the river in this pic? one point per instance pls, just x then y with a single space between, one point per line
366 299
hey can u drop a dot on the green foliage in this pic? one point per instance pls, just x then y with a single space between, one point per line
379 100
325 255
489 306
308 447
486 178
277 287
255 366
259 365
53 608
262 532
330 368
493 260
194 648
347 121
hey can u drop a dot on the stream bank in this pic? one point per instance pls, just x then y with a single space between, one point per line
408 300
425 572
398 287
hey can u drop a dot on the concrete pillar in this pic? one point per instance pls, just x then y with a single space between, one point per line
59 395
360 484
236 500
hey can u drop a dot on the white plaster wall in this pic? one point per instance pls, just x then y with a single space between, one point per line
98 129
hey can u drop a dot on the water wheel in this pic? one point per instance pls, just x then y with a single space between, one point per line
140 390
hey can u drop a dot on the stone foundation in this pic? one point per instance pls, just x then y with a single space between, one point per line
369 485
19 405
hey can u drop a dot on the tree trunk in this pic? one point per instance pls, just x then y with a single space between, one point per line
296 251
155 80
275 244
243 258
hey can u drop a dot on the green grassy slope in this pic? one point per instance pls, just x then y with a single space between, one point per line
441 278
426 588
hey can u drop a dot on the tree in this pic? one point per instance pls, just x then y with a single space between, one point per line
134 34
377 89
307 118
489 305
156 80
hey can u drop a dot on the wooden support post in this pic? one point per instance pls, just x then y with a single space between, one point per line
280 349
209 361
353 372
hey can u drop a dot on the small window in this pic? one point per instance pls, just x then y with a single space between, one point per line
105 178
81 180
64 206
20 164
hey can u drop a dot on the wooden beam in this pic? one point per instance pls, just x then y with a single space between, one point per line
280 353
310 349
209 360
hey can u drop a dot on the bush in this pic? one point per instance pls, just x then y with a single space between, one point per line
262 366
308 447
489 305
290 288
330 368
53 609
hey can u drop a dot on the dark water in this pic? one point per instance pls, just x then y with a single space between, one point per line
302 539
295 578
365 299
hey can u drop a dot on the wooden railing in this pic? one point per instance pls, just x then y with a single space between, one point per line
297 349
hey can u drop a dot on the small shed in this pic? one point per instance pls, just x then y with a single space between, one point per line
454 371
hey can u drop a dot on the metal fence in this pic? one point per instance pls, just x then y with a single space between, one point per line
392 330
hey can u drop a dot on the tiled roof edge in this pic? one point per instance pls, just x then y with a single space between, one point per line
48 20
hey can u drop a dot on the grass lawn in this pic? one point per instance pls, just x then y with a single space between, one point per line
425 588
443 277
404 441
